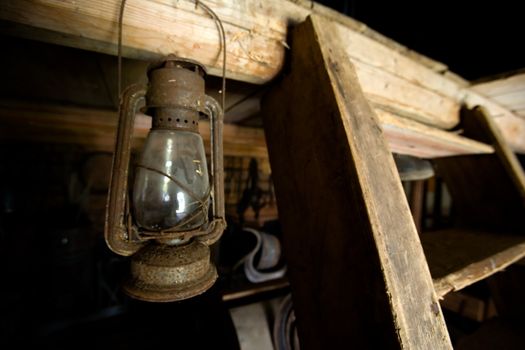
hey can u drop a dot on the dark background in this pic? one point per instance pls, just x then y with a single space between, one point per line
476 39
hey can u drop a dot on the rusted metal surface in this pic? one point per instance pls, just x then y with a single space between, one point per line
175 94
164 273
175 97
218 224
116 232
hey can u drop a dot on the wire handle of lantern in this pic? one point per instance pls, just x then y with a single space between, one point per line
212 14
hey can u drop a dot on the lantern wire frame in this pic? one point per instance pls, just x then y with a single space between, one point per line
203 203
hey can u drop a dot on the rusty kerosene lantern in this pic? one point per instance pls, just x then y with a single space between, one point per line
167 221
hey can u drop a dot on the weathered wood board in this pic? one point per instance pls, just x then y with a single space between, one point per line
95 129
357 270
392 77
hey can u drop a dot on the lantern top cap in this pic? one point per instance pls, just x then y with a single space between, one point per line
172 61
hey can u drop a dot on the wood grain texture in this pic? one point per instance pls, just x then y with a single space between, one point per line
362 28
96 128
502 85
488 193
256 39
391 75
357 270
459 258
508 91
409 137
488 190
416 197
511 126
155 28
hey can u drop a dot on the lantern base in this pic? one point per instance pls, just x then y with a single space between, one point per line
165 273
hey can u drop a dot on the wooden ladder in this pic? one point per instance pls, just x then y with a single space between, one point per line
358 272
488 192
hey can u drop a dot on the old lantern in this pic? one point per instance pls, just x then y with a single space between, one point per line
168 210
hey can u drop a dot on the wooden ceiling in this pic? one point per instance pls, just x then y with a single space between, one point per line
415 96
508 91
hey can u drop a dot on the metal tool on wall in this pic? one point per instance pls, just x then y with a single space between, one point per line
252 195
165 222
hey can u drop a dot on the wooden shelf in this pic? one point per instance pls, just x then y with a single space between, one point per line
458 258
255 289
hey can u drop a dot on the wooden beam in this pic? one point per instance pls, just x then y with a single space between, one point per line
510 125
509 93
392 76
250 289
95 128
488 190
155 28
409 137
416 198
362 28
256 37
357 271
504 87
488 193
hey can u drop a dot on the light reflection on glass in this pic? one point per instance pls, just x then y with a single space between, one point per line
182 203
161 202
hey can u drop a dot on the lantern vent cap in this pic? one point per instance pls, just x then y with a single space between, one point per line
172 61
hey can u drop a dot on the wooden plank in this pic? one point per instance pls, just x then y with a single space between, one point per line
251 290
488 193
416 197
96 128
508 92
256 42
488 190
513 100
247 107
412 138
513 130
502 86
155 28
362 28
282 12
403 97
256 32
58 79
357 271
511 126
458 258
